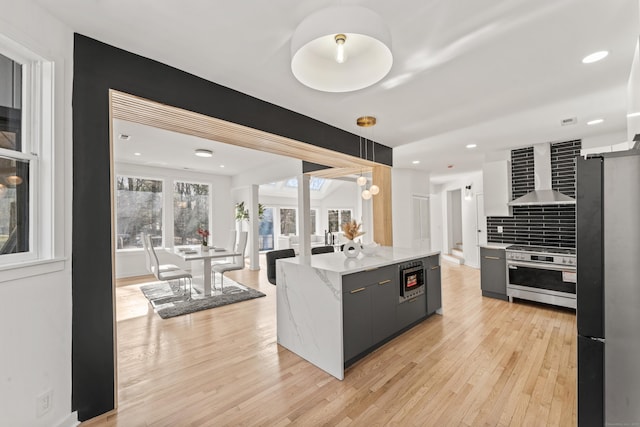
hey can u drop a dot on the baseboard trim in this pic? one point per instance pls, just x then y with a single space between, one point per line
70 421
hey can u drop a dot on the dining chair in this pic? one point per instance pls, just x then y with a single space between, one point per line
168 275
272 256
150 267
322 250
231 243
237 262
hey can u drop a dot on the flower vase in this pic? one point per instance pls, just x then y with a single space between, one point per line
351 249
204 248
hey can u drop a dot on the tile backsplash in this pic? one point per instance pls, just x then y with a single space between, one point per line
553 225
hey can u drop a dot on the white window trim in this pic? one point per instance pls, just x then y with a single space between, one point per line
38 148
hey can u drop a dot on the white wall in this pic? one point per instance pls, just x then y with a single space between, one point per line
406 183
35 313
468 209
131 262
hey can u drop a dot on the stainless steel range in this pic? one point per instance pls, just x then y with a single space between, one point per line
542 274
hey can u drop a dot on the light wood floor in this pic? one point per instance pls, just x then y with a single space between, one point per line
484 362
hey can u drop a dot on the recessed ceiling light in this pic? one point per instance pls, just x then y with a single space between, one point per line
595 57
201 152
636 114
471 145
221 166
595 122
124 137
137 154
416 162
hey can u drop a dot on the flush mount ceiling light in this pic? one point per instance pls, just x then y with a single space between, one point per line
470 146
595 57
201 152
341 49
416 162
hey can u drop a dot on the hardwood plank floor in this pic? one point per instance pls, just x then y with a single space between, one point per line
483 363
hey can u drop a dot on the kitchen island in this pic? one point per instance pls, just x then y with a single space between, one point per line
333 310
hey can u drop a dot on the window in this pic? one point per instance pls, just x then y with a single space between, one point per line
337 217
314 217
265 233
190 212
26 184
139 210
287 221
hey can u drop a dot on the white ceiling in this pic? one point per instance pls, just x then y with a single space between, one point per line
499 73
166 149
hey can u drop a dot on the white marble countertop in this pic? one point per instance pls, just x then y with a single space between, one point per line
491 245
337 262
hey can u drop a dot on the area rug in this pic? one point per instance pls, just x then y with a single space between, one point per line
167 299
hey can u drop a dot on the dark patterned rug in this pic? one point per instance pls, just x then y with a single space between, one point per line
168 300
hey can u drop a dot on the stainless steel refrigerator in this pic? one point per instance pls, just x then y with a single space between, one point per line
608 288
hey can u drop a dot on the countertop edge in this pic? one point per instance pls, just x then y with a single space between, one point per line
344 266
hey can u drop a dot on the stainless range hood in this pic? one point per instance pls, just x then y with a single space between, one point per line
543 193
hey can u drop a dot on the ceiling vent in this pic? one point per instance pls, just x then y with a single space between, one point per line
569 121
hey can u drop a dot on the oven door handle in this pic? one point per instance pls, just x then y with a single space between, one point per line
516 264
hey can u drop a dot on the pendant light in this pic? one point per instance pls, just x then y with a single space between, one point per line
365 122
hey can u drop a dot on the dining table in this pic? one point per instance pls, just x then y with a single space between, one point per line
201 263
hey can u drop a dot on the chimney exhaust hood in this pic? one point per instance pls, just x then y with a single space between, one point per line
543 193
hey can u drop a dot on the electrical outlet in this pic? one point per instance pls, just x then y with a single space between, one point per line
500 229
44 402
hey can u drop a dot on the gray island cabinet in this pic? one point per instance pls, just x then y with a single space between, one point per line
333 310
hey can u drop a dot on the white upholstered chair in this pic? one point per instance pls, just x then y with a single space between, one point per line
168 275
237 262
231 244
146 243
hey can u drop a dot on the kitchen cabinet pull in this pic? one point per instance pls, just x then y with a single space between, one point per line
435 267
384 282
491 257
355 291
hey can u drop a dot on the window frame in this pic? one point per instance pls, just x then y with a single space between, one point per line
339 230
37 140
115 217
173 217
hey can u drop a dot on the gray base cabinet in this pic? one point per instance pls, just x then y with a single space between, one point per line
372 312
434 280
411 311
356 321
493 273
384 301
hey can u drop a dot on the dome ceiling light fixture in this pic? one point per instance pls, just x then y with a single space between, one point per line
341 49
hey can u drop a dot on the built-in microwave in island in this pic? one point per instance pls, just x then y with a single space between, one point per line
412 282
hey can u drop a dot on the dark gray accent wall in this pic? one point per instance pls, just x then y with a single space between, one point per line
540 225
98 67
